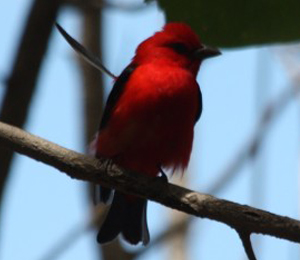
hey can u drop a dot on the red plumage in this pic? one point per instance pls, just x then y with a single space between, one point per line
149 120
153 121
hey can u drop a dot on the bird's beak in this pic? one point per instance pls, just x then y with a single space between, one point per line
206 52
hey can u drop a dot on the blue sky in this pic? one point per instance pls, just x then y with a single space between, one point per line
42 205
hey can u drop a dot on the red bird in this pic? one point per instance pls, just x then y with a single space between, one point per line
149 118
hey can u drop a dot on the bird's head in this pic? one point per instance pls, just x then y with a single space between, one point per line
176 44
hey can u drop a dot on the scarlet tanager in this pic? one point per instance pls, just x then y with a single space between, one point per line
148 122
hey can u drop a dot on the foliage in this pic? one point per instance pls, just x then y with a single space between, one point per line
238 23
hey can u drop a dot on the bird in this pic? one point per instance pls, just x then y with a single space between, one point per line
149 118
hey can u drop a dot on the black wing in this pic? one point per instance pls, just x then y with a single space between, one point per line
199 112
115 94
117 91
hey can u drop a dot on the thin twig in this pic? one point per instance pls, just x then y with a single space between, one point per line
64 243
245 237
89 57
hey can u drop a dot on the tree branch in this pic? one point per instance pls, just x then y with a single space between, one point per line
239 217
22 81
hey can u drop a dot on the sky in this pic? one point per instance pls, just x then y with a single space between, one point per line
42 205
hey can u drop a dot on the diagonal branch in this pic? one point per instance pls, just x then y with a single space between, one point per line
22 81
104 172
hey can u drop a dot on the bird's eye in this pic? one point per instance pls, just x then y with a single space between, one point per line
179 47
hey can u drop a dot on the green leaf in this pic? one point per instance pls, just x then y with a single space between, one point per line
237 23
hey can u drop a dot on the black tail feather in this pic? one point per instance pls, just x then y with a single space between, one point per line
128 217
101 194
113 222
135 220
105 194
